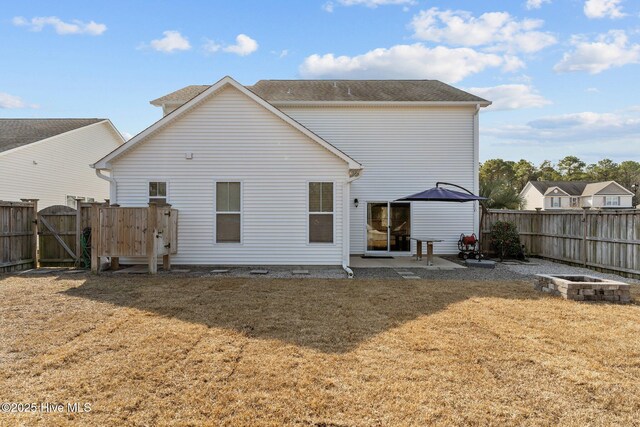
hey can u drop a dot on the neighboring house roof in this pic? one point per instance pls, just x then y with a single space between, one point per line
581 188
16 133
210 91
573 188
283 91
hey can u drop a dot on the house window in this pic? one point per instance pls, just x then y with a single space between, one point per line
71 200
555 202
228 212
611 201
575 202
158 192
320 212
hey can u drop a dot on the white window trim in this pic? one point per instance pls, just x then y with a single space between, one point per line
618 201
333 243
551 202
575 199
168 184
215 211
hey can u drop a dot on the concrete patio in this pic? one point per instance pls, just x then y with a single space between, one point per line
357 261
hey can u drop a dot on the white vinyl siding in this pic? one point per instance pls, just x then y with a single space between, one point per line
55 168
234 139
532 198
404 150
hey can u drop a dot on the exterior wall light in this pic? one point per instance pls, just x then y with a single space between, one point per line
356 202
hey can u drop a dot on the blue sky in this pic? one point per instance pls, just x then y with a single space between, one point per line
563 74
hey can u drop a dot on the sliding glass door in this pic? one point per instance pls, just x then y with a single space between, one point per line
388 227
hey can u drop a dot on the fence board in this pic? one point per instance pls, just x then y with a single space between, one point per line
602 239
16 235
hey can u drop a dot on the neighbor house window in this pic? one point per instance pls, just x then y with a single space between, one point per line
158 192
71 200
320 212
228 212
611 201
555 202
575 202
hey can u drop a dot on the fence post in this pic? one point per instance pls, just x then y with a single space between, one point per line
95 235
152 229
78 231
34 229
584 235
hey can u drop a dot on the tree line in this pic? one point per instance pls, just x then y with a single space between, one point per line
502 180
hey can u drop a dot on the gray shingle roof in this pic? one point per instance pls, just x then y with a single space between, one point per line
572 188
340 90
18 132
361 91
181 95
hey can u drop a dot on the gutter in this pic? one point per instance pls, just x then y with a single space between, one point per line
113 188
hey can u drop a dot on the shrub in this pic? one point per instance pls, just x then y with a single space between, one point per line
505 240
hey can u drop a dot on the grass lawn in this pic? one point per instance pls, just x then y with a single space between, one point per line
166 350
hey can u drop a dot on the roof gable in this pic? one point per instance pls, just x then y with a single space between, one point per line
606 187
211 91
16 133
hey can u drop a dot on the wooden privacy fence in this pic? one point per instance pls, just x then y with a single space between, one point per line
18 234
602 239
134 232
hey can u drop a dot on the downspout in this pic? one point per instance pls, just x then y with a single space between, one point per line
346 221
113 187
476 170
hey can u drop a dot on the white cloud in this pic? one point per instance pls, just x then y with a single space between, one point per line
60 27
171 42
211 46
414 61
593 90
608 50
595 9
510 96
328 7
535 4
583 126
13 102
244 46
494 31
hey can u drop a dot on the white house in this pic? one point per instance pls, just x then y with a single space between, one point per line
548 195
48 159
304 172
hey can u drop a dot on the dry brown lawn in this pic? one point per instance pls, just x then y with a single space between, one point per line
192 351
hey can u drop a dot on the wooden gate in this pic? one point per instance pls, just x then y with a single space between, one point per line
57 236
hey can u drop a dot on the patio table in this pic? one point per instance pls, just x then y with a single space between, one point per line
429 241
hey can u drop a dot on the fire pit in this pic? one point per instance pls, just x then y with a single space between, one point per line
584 288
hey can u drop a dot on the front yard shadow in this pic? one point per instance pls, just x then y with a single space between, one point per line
331 316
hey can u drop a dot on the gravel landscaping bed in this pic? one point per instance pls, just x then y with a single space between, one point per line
509 270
